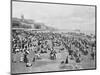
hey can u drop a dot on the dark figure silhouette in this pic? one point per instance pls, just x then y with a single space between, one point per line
66 62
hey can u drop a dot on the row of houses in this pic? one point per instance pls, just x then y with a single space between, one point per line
27 24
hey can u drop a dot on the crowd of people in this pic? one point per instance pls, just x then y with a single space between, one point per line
27 46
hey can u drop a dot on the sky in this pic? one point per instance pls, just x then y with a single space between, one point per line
64 17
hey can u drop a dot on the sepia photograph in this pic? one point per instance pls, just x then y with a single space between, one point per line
52 37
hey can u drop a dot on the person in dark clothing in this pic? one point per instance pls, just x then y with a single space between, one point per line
78 60
53 55
66 62
92 54
25 58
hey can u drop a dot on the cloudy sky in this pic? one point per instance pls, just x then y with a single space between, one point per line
68 17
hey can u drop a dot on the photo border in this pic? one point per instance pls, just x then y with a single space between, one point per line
58 4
